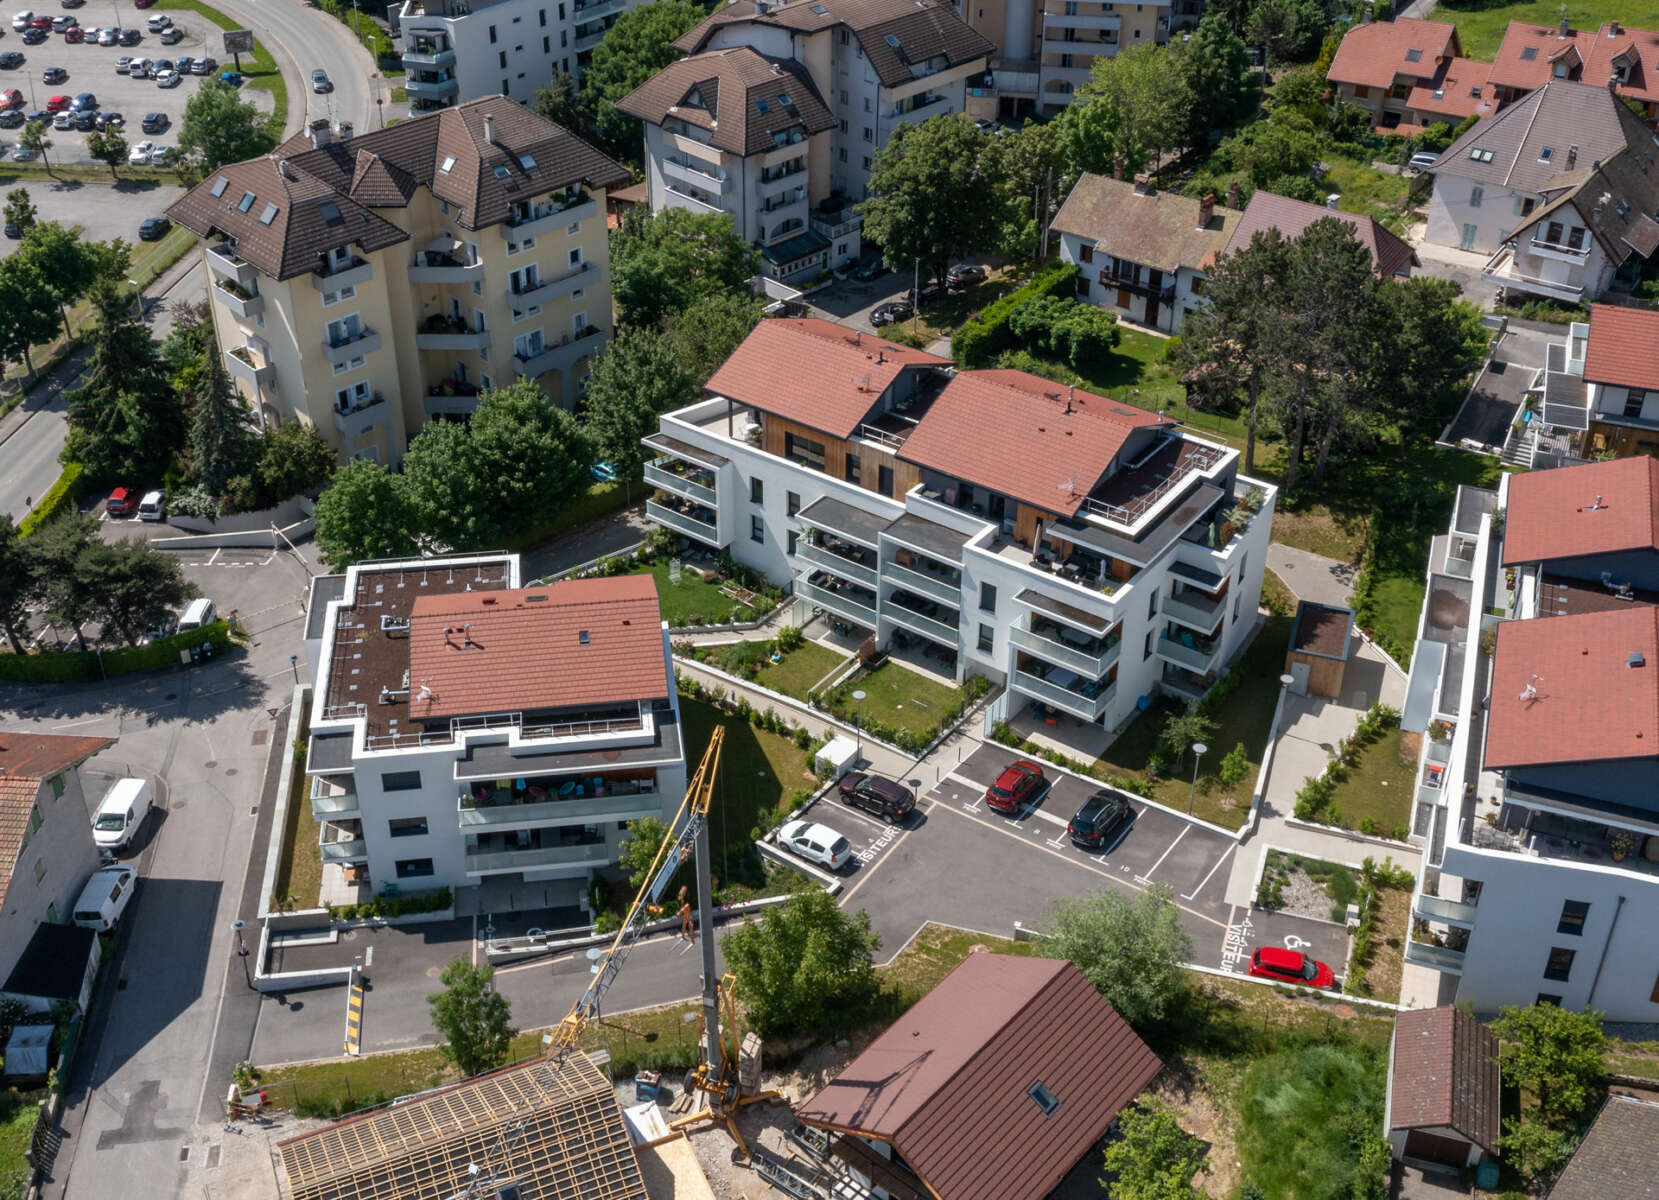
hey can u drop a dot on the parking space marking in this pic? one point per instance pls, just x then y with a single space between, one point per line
1224 855
850 811
1147 877
868 854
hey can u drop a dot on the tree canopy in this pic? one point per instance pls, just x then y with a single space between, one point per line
222 441
220 127
474 1019
1131 949
640 44
1152 1157
806 965
663 263
365 513
930 196
1133 107
640 375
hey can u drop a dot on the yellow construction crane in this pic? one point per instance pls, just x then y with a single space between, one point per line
688 836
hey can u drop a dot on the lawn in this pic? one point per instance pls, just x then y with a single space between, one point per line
1318 530
17 1129
693 602
942 319
1388 944
895 698
299 876
1244 716
1368 192
1480 26
801 670
1376 797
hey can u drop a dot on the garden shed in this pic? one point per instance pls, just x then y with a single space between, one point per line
1320 644
1444 1088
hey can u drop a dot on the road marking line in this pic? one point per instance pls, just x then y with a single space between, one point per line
1165 854
354 1017
1193 894
860 816
214 559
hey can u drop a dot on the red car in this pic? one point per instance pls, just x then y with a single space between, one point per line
41 23
1018 783
10 98
74 35
142 3
57 104
1291 966
120 502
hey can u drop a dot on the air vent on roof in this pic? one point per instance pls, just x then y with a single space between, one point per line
582 638
527 162
391 624
330 213
219 186
245 203
269 215
1635 659
448 164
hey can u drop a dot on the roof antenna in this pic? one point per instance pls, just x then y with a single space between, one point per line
1530 691
1071 389
1070 486
1597 505
466 631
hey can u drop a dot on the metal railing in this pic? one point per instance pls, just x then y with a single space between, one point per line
1198 460
1075 702
926 583
880 437
1092 663
1194 658
837 564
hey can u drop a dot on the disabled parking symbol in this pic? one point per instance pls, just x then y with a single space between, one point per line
1293 942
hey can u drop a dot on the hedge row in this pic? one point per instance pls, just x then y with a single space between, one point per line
986 335
61 497
80 665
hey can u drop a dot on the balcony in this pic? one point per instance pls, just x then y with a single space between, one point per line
431 266
836 223
427 56
334 798
340 844
563 356
685 479
1189 652
495 862
1501 271
225 263
1054 20
238 299
241 363
587 41
678 197
1437 958
350 345
618 806
847 601
438 87
930 106
1055 644
1139 286
349 273
1062 695
843 565
1193 608
770 184
356 421
901 613
451 403
925 582
685 516
545 291
1560 252
439 332
692 171
532 220
1074 77
595 9
1438 908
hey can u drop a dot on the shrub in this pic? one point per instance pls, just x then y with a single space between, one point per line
72 666
60 497
986 334
1080 335
607 922
194 502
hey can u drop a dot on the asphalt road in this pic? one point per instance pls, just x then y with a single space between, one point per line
303 38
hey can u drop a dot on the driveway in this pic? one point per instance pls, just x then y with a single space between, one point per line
1487 412
1312 576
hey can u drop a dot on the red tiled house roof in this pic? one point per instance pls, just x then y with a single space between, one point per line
1595 508
27 758
1373 54
1445 1073
1623 348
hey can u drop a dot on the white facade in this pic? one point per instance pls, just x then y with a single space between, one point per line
1168 299
1473 215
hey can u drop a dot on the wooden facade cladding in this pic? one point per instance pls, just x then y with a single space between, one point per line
775 434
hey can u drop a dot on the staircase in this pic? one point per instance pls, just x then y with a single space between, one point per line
1519 447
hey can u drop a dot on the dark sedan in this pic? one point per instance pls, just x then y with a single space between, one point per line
1104 817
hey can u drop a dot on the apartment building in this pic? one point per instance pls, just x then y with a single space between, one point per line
1141 253
1532 55
1086 552
1533 680
1410 73
365 282
460 50
1601 383
777 113
469 731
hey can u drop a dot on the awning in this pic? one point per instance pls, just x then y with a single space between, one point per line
1426 664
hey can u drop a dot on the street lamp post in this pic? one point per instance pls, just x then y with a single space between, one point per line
858 723
137 298
242 949
1198 749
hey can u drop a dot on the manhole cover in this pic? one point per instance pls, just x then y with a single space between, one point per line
230 770
211 763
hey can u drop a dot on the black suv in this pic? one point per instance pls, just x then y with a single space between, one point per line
1097 823
877 795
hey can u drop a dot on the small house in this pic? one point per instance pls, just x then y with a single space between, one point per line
1443 1088
1320 643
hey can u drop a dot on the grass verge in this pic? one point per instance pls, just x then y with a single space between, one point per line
1376 797
691 601
299 877
895 699
17 1129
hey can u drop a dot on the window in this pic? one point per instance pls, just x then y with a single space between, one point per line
407 826
792 503
1560 965
1526 206
57 787
1152 605
1576 237
1085 252
492 35
1237 599
854 468
867 104
501 58
575 256
866 162
1633 401
987 598
348 398
1044 1098
1414 55
415 868
400 781
1147 652
1475 195
542 15
547 45
1573 913
1361 92
1546 153
757 529
884 481
52 913
1551 998
843 152
1480 154
757 491
869 134
804 451
1553 233
793 538
1529 53
40 869
349 292
843 124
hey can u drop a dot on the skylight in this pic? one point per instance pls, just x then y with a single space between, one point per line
760 107
219 186
269 215
500 171
783 99
1045 1099
820 10
527 162
1474 92
1480 154
448 164
1414 55
245 203
1439 93
1547 153
1529 53
330 212
892 41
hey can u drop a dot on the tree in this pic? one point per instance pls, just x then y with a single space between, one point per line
190 341
293 458
220 127
1270 150
706 332
1131 949
1437 340
565 103
54 549
539 455
1289 30
34 137
1152 1157
640 44
661 264
20 209
1235 768
221 438
31 317
1556 1055
1222 92
108 147
929 196
635 856
640 375
67 264
1132 109
364 513
130 586
1534 1148
1032 176
1184 727
474 1019
18 586
806 965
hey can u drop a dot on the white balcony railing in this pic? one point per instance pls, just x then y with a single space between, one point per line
841 603
1195 658
661 475
668 518
1091 664
916 622
835 564
1438 908
925 583
1087 707
621 806
1438 958
1195 609
495 862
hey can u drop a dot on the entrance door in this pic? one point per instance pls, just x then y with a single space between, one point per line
1299 672
1152 311
1470 232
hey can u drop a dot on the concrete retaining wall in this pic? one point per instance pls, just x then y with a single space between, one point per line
286 513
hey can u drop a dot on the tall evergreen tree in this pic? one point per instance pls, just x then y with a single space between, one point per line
126 420
221 438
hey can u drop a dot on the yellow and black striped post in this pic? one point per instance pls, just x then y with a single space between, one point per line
354 1015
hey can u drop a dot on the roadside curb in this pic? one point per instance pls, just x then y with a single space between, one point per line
1351 835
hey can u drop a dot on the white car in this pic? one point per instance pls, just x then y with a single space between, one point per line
109 36
105 897
162 156
167 79
816 843
21 21
64 120
25 154
139 155
158 22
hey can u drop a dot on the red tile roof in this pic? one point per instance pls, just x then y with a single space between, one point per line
816 373
1445 1075
1585 702
1624 347
1595 508
948 1083
1374 53
1511 67
527 653
1464 91
1010 431
1269 210
1638 49
42 755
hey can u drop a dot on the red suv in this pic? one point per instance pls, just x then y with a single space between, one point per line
57 104
1018 783
120 502
1290 966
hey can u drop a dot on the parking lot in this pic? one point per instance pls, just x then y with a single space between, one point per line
100 210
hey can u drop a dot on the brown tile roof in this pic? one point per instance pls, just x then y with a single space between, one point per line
27 758
948 1083
1586 703
1559 115
323 195
1637 50
736 94
1322 629
1374 53
1615 1159
1159 230
1446 1075
1269 210
1622 347
1593 508
1526 57
1615 200
814 372
1011 432
527 651
921 29
1459 89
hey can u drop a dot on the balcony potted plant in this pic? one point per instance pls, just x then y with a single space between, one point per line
1621 842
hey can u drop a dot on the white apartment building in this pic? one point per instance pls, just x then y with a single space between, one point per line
1533 680
460 50
466 730
1086 552
777 114
364 283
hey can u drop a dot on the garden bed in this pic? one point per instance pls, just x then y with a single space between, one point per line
1306 887
299 874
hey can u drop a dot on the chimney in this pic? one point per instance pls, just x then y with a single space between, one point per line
284 169
489 129
1206 210
1572 156
1232 195
1143 184
1565 28
344 129
1613 27
320 135
1117 169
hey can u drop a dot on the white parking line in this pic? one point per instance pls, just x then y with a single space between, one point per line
849 811
1224 854
1147 875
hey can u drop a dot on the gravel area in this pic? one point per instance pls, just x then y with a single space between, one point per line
1305 898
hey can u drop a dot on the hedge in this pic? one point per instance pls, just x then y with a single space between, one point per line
82 665
986 335
60 497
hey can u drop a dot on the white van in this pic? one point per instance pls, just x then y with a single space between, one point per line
153 507
105 898
120 813
200 613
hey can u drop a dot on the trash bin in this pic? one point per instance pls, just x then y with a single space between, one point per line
1486 1176
647 1085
